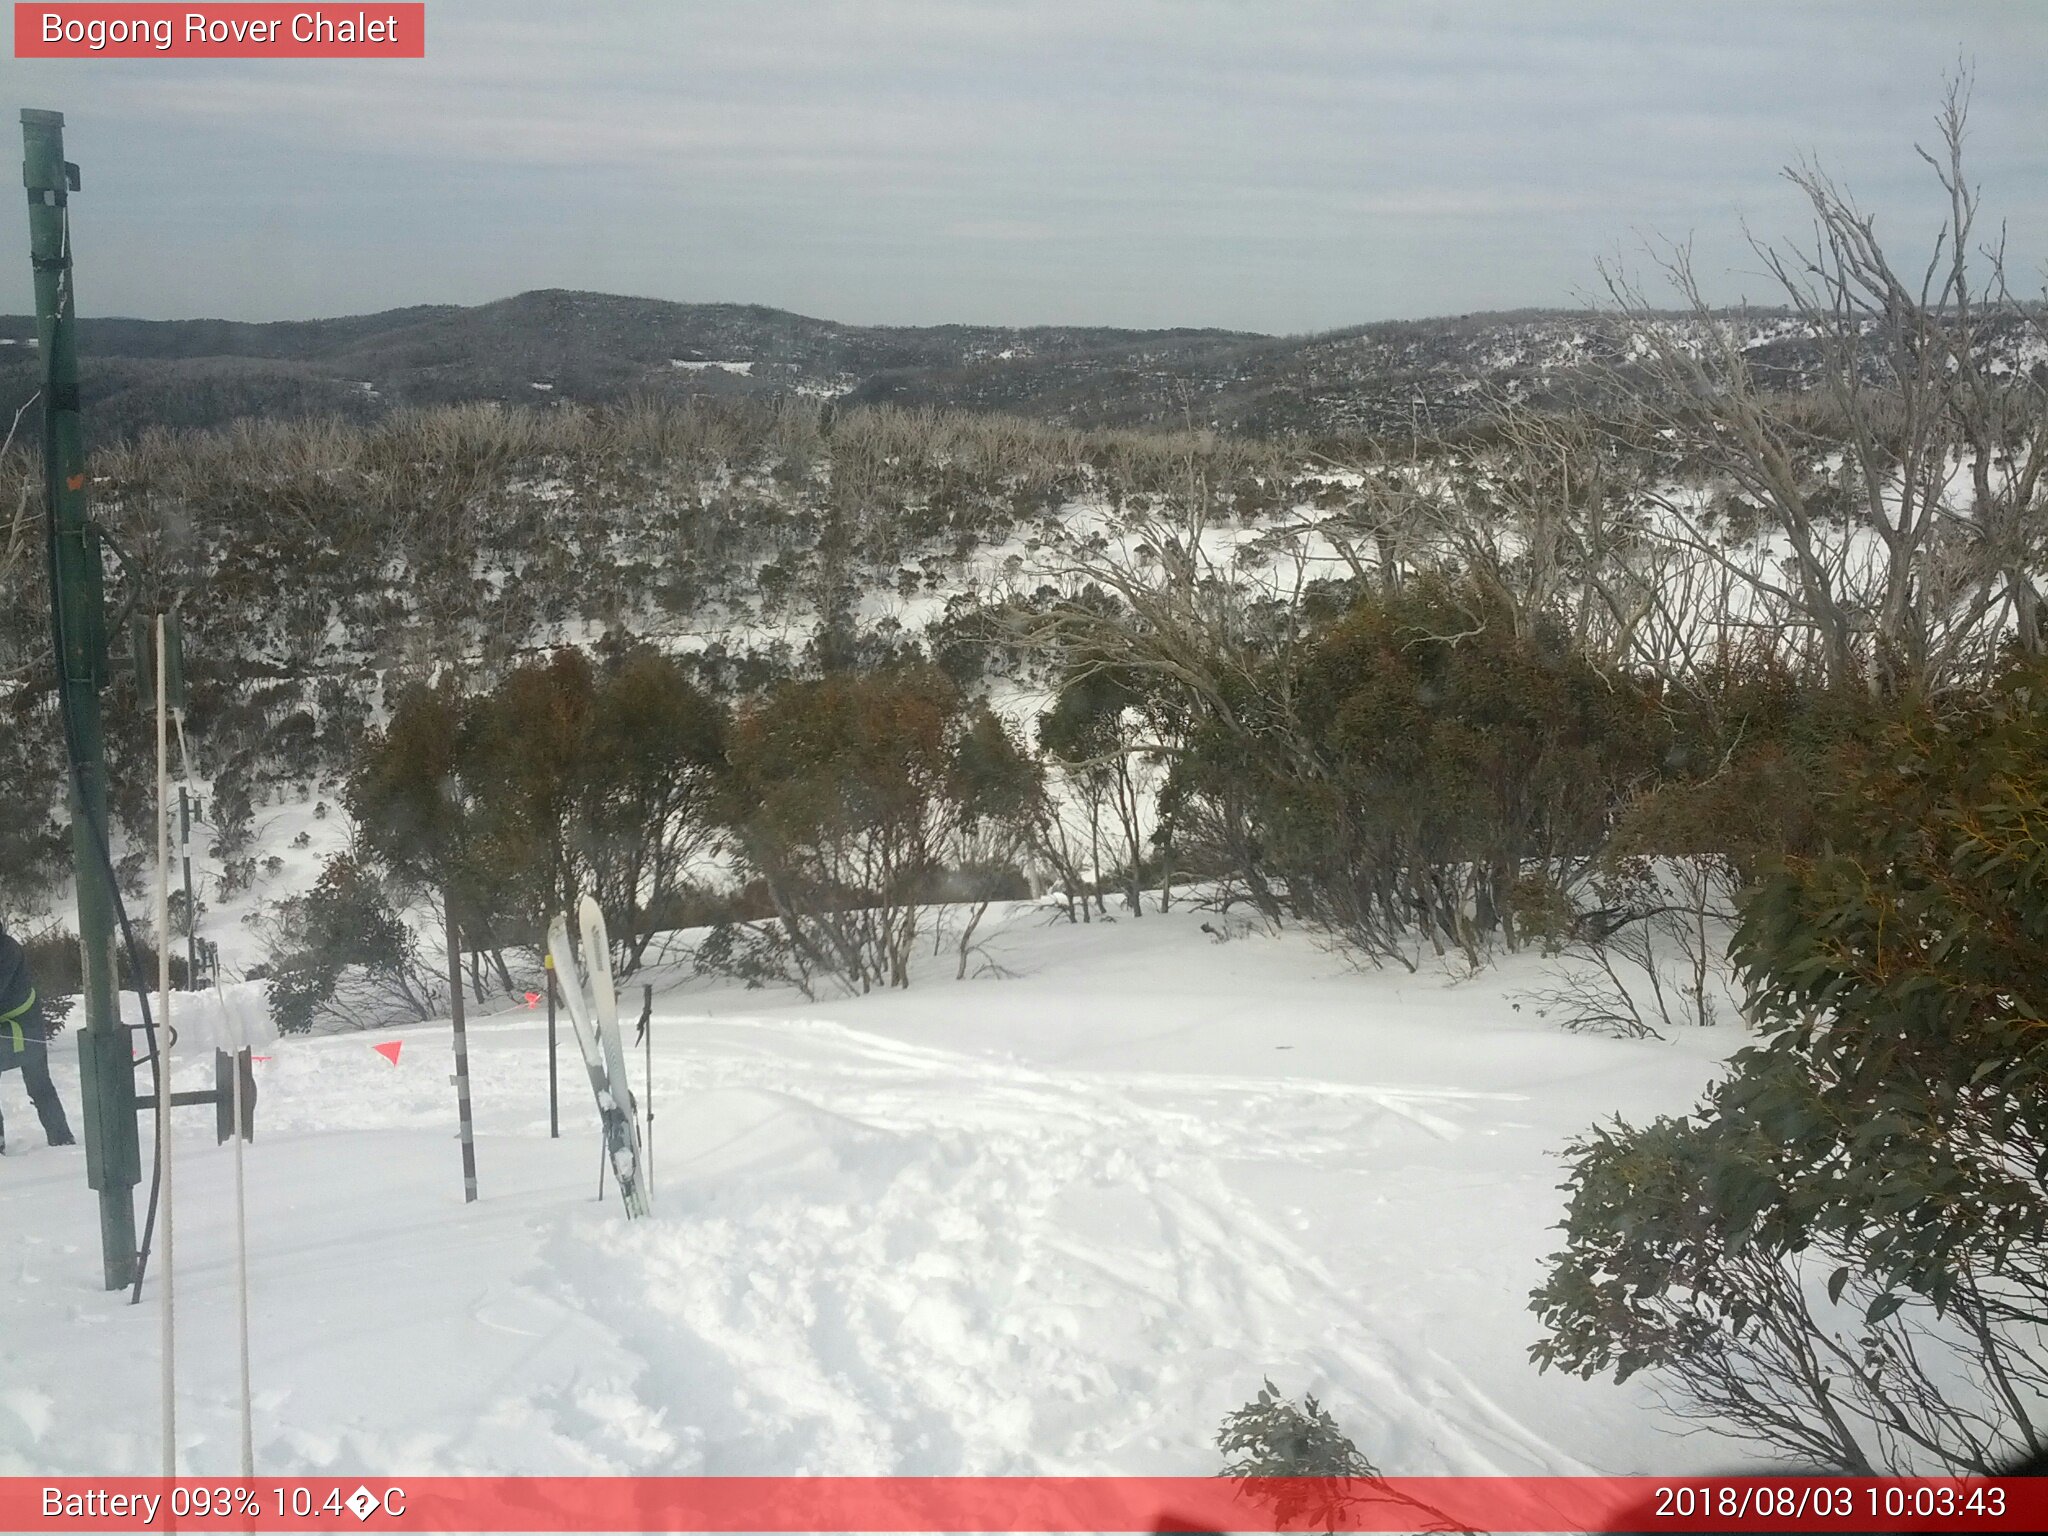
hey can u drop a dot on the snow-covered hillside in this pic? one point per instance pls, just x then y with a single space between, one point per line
1060 1218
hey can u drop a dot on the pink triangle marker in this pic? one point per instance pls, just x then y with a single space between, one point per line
389 1050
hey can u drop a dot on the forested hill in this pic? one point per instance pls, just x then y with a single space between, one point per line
537 347
556 345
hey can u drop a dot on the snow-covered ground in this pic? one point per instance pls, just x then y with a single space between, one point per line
1060 1220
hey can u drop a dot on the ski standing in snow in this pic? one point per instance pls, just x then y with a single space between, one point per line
594 1014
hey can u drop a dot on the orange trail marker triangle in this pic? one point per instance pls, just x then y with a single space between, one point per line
389 1050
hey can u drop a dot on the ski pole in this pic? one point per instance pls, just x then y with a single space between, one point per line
554 1108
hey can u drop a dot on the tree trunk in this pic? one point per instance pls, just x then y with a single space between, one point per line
967 938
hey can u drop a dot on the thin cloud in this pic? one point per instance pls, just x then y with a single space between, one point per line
1221 162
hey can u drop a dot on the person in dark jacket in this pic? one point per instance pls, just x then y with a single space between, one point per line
24 1043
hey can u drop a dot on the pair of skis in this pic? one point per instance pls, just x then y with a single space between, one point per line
595 1016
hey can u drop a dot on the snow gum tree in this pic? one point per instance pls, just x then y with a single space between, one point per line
526 754
646 795
1842 1253
418 800
1474 751
1437 753
1092 731
406 795
846 794
563 779
347 922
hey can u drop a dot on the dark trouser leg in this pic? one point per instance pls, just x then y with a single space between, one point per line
35 1075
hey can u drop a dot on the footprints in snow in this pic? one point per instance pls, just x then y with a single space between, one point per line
907 1260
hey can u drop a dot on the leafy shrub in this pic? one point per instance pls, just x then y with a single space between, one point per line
346 924
1842 1253
755 953
1273 1436
1321 1474
299 986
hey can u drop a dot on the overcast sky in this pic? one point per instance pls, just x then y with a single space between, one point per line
1259 164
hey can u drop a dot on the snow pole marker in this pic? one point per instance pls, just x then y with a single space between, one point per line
170 647
169 1331
459 1025
242 1282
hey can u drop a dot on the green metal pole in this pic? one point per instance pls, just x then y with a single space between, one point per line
107 1072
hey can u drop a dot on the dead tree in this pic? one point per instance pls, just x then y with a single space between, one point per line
1899 506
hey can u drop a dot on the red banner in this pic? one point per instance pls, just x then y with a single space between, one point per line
99 31
1053 1504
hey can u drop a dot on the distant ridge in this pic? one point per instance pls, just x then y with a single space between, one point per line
559 345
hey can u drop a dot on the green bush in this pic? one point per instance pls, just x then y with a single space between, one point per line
1842 1253
1424 753
1273 1436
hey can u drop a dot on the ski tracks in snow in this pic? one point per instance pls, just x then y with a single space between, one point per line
873 1257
